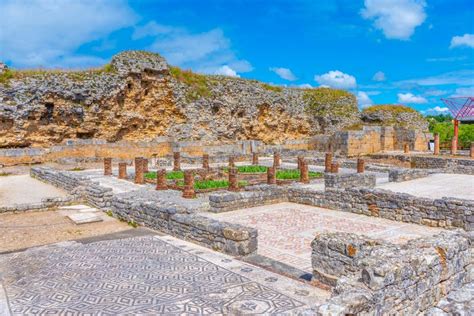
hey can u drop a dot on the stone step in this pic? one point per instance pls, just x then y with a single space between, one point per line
84 218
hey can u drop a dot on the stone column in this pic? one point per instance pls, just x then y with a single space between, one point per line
254 159
176 161
205 161
299 160
360 165
454 146
304 172
436 144
139 178
189 192
233 185
271 176
406 149
335 167
145 165
328 162
161 183
276 159
231 161
107 166
122 170
471 154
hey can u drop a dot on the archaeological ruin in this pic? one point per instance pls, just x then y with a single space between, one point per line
219 195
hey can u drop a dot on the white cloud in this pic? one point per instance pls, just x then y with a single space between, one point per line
284 73
336 79
226 71
461 77
363 99
396 18
48 33
465 40
436 110
446 59
305 86
435 93
379 76
205 52
464 92
410 98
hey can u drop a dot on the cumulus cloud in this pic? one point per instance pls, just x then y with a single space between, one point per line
464 92
336 79
396 18
363 99
305 86
206 52
436 110
410 98
49 32
226 71
284 73
466 40
379 76
460 77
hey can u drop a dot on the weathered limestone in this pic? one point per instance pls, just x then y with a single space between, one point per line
254 158
161 183
122 170
360 165
205 161
233 184
176 161
446 164
139 175
107 166
271 175
436 144
335 167
276 159
189 192
304 172
231 162
145 165
328 162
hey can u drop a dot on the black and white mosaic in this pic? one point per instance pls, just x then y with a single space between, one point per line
141 275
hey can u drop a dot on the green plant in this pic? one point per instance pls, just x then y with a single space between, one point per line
249 169
294 174
446 133
109 68
198 84
266 86
324 101
109 213
77 169
172 175
211 184
132 223
4 174
6 75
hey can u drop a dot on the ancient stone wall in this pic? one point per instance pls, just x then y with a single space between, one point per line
145 209
349 180
455 165
400 175
376 277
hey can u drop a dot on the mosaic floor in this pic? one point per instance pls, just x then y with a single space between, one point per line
144 275
285 230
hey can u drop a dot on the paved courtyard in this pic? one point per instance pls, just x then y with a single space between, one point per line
286 230
143 275
436 186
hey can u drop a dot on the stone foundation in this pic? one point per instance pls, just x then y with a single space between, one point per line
400 175
349 180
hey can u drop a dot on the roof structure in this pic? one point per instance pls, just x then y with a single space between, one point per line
462 108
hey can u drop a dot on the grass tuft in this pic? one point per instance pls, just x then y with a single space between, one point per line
172 175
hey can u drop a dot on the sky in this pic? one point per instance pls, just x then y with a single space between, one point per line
411 52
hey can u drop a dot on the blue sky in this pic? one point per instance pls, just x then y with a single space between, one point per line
411 52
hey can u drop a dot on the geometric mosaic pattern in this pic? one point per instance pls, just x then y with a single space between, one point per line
141 275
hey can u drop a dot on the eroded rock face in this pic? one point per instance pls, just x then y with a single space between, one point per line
137 97
384 115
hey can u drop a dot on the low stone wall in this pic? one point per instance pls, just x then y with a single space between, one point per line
378 278
45 205
226 201
144 208
400 175
444 212
349 180
454 165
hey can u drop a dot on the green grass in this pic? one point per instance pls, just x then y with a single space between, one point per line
266 86
293 174
172 175
4 174
6 75
77 169
211 184
198 84
249 169
393 108
328 101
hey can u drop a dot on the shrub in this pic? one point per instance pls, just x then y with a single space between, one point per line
446 133
6 75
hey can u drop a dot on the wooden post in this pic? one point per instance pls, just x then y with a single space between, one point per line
161 183
107 166
139 178
233 185
304 172
122 170
360 165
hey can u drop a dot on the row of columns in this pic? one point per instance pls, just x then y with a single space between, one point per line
333 167
454 146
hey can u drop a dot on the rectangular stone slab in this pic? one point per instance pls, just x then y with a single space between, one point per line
84 218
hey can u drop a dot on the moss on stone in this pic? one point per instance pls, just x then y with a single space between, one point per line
198 84
393 108
327 101
269 87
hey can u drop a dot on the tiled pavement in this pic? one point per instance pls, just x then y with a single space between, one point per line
144 275
285 230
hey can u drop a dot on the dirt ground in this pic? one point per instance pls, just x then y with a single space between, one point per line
24 230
